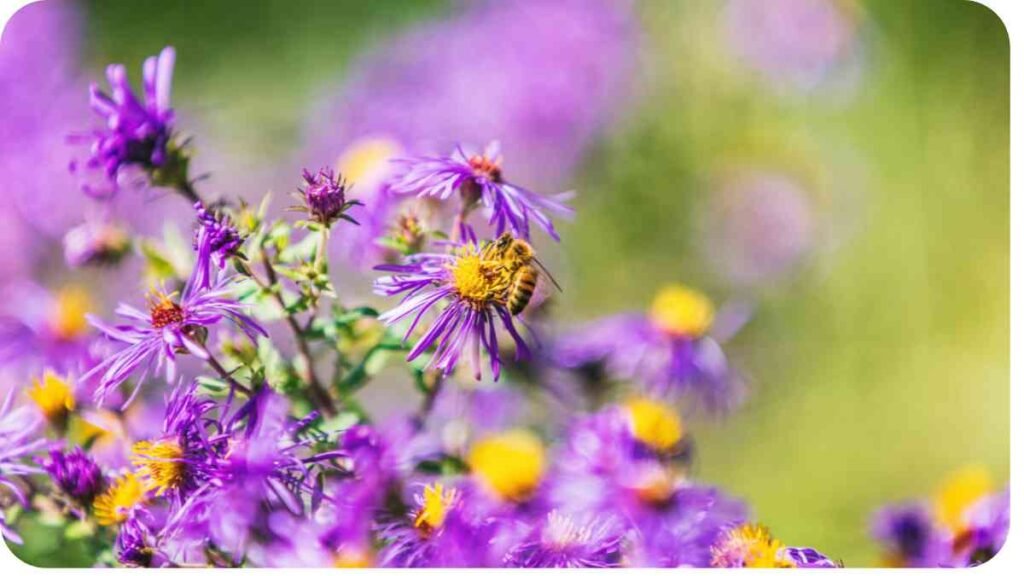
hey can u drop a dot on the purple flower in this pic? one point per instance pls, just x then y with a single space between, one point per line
441 531
20 438
806 558
472 290
169 328
95 243
611 465
670 351
134 546
563 542
41 329
987 523
795 43
910 536
136 134
76 475
479 178
215 240
758 227
324 197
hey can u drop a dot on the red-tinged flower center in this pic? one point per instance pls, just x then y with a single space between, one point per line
162 312
485 167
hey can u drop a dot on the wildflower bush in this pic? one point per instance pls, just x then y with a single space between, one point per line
217 420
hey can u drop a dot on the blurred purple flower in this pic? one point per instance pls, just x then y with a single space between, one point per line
987 524
170 328
136 134
43 329
910 536
561 541
95 242
795 43
76 475
20 438
479 178
671 351
806 558
758 227
472 305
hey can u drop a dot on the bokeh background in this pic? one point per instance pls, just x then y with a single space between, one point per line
839 165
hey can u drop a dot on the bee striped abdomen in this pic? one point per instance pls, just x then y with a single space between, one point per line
521 290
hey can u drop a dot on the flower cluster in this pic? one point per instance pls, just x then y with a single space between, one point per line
225 424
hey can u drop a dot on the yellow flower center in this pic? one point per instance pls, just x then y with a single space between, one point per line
53 396
367 158
114 506
654 424
680 311
436 503
960 490
160 464
71 306
751 546
478 281
511 464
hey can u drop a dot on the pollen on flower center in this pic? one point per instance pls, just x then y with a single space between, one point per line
434 506
485 167
511 464
161 464
116 504
477 281
748 546
654 424
680 311
163 311
53 396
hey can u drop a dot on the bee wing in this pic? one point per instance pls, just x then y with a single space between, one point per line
547 273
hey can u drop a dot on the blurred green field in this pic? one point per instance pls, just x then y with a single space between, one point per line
882 366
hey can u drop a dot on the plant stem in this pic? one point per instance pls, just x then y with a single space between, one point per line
427 406
219 368
320 396
186 189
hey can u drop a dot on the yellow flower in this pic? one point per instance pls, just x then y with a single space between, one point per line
160 464
960 490
116 504
680 311
511 464
434 507
71 306
54 397
655 424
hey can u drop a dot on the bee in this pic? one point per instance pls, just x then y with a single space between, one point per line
521 264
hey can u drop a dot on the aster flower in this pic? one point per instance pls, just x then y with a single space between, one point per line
95 243
509 465
133 546
41 328
623 462
987 523
19 439
753 546
479 178
672 350
473 292
561 542
215 241
136 134
910 536
121 501
54 397
170 328
324 197
76 475
438 533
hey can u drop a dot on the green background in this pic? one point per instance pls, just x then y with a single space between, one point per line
879 368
